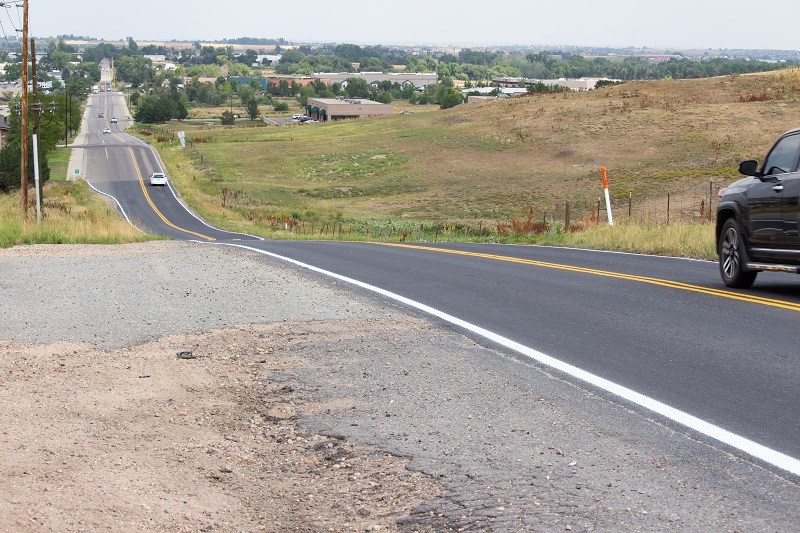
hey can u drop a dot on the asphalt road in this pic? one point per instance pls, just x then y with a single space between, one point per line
665 328
662 335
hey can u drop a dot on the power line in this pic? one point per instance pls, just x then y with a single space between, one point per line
7 6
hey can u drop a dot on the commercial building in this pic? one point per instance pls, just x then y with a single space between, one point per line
324 109
420 80
580 84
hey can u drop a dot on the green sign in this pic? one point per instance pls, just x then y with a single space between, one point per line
77 171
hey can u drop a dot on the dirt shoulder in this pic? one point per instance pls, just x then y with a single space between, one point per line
138 439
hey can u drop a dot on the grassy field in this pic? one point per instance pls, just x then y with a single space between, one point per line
58 160
479 171
72 214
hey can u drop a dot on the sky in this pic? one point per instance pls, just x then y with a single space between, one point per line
672 24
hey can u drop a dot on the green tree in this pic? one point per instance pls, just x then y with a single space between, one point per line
155 109
12 72
180 110
251 107
306 92
450 97
10 167
239 70
135 70
357 88
57 60
132 46
245 93
227 118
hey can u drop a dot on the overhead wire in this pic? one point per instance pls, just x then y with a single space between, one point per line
7 7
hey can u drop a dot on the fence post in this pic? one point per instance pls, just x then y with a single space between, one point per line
566 216
667 207
630 202
710 197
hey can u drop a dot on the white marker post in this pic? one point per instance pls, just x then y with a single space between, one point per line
608 200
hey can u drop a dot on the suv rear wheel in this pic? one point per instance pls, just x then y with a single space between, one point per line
730 257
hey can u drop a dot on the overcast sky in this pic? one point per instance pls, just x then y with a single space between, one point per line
619 23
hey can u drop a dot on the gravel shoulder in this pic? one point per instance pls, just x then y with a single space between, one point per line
308 406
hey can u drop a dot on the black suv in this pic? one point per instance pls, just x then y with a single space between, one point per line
758 218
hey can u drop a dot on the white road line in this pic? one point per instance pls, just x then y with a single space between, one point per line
754 449
117 202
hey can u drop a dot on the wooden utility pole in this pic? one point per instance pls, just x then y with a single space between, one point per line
24 111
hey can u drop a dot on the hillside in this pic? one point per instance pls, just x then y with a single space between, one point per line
486 163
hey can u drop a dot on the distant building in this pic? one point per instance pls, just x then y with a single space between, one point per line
486 92
657 58
156 58
580 84
266 82
5 128
272 59
324 109
420 80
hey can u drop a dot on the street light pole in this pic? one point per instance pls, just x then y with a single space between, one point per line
66 118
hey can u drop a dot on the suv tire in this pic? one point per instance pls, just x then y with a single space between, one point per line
731 257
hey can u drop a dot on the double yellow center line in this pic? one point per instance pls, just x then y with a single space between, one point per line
155 209
752 298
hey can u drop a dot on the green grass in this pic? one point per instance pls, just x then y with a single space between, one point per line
58 160
72 214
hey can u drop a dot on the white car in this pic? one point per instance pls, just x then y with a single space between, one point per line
158 178
113 120
297 116
106 130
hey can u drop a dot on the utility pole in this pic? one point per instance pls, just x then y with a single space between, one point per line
24 117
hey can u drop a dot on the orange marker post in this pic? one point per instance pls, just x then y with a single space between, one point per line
608 199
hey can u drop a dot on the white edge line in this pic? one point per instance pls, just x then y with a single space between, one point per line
758 451
118 205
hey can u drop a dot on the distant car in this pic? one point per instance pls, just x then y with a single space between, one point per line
158 178
101 115
106 130
113 120
309 121
297 116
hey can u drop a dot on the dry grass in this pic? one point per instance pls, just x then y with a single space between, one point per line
72 214
680 239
